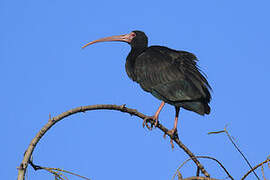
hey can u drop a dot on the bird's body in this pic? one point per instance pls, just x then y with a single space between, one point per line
170 75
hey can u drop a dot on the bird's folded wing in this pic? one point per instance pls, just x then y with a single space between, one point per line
171 74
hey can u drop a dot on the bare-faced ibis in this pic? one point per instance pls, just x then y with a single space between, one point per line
170 75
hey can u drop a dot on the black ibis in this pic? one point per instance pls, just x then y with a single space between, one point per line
170 75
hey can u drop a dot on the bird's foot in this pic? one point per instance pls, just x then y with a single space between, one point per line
150 119
173 134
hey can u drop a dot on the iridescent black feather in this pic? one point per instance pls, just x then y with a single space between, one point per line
171 76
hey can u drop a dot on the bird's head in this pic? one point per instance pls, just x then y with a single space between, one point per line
136 39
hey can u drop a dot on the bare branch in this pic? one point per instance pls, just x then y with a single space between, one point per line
255 167
24 164
242 154
237 148
206 157
55 171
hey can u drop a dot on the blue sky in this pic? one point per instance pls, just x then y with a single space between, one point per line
44 71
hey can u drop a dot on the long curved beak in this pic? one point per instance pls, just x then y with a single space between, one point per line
124 38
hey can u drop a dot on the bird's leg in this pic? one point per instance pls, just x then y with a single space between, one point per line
155 117
173 132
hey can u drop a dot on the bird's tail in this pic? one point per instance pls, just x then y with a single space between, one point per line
201 108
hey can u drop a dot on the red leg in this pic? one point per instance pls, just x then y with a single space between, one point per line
155 117
173 131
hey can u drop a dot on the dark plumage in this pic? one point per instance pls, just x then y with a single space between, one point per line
170 75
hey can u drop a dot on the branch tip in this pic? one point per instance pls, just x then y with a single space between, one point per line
50 117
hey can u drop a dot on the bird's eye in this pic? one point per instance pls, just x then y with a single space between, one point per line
133 34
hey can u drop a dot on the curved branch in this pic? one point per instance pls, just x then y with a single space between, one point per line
254 168
206 157
23 166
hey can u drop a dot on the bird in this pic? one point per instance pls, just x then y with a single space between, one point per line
172 76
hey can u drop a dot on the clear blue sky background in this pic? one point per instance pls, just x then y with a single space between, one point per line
44 71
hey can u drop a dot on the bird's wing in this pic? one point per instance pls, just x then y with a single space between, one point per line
172 74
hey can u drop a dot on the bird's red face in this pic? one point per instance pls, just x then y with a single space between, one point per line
124 38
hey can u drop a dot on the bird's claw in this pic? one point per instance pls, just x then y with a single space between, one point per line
148 120
173 134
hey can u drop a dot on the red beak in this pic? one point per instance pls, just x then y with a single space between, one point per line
124 38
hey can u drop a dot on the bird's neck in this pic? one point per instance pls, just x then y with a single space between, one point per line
135 52
130 63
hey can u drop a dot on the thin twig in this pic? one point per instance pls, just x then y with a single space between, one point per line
230 138
55 170
56 174
198 172
263 173
205 157
232 141
179 175
24 164
254 168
